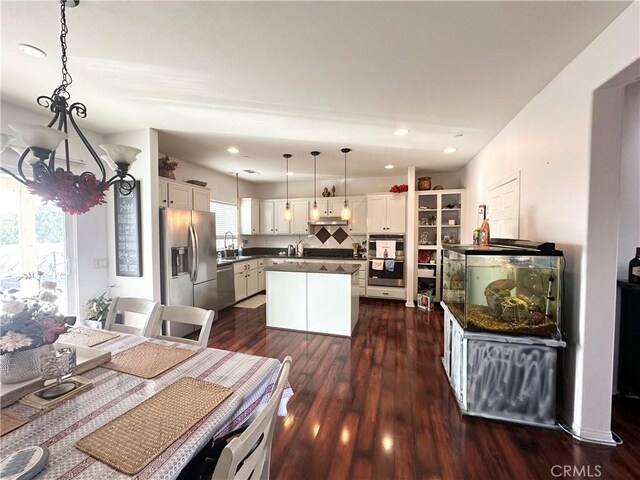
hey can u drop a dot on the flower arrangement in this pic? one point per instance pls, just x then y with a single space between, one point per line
97 308
74 194
399 188
31 322
166 167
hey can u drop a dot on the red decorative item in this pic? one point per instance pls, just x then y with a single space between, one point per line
74 194
399 188
424 256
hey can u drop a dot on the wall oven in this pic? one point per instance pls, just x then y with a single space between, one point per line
386 260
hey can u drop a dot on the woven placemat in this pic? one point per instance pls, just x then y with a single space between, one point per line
86 337
129 442
148 360
10 421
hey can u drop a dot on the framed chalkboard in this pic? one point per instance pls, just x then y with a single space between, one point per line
128 232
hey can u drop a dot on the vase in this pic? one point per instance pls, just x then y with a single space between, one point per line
424 183
166 173
16 367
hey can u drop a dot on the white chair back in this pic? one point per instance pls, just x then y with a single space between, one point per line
249 454
184 314
146 311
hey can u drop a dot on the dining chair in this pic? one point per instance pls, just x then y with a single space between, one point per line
138 314
245 452
185 314
249 455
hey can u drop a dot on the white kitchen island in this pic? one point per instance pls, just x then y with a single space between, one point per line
313 297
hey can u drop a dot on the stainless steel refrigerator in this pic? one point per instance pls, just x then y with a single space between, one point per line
188 262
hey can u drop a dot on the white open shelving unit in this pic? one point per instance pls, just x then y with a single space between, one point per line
440 221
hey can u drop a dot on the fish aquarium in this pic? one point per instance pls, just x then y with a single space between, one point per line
512 287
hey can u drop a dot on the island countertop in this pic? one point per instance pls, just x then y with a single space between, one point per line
304 267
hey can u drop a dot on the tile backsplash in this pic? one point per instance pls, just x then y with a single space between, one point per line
325 237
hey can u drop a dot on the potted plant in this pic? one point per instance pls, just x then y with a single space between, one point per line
166 167
97 309
28 328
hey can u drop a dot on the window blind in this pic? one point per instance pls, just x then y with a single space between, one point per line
226 221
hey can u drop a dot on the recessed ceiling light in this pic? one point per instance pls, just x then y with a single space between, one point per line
401 132
388 167
31 50
449 150
233 150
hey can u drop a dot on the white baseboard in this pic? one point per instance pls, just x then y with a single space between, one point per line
601 437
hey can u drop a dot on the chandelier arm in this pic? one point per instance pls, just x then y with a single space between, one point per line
125 187
21 162
82 112
8 172
66 143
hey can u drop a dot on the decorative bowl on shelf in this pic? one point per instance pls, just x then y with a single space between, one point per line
438 187
424 256
197 182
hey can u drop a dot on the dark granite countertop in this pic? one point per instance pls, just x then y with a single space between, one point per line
304 267
227 261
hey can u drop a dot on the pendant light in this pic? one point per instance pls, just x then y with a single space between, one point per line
315 211
72 193
345 212
288 214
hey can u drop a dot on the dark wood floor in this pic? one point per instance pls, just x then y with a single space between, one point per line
378 406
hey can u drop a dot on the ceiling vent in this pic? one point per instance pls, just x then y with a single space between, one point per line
251 171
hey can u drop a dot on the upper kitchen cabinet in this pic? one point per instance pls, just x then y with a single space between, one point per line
249 216
335 205
300 221
175 194
358 222
272 217
386 213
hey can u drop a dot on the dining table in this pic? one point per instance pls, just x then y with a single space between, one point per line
113 393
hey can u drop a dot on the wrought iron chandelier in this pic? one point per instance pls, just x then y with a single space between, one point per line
74 194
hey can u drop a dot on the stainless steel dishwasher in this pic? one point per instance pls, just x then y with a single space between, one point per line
226 287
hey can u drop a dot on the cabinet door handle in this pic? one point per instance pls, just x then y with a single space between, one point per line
171 201
385 293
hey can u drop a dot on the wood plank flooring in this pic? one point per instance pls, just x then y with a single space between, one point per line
378 406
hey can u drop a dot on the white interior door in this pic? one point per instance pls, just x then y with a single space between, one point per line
504 207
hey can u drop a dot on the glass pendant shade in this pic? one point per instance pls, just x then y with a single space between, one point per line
39 137
315 212
345 212
119 156
288 214
5 138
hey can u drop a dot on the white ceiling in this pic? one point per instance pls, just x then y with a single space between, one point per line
276 77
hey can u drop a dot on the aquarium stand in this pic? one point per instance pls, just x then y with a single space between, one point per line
502 377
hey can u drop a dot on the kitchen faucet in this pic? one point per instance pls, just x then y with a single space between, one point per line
299 252
230 247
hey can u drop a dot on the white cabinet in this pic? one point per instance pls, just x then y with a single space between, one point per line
358 222
440 221
163 196
386 213
175 194
335 205
262 277
201 200
300 221
249 216
245 279
180 196
266 217
272 217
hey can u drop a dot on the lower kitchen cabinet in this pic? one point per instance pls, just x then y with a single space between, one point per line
245 279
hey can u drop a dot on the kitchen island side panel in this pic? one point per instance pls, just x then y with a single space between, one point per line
330 305
287 300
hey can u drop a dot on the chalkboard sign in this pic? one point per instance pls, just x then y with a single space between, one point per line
128 232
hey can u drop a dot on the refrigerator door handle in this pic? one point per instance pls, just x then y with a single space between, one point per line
197 255
193 249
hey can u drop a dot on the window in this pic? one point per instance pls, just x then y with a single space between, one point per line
226 221
32 243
